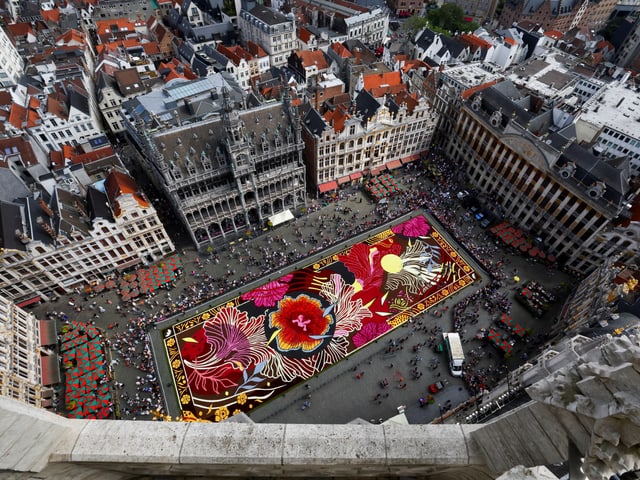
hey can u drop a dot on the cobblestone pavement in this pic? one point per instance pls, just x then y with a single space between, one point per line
336 395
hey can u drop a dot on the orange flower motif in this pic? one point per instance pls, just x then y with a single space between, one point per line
300 324
221 413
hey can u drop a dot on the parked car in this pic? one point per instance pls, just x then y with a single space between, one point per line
485 222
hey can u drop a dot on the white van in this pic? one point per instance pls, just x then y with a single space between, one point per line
456 354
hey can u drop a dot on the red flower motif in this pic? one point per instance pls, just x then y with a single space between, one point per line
236 341
364 262
416 227
267 295
369 332
192 350
300 324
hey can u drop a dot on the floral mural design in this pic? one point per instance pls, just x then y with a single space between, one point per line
238 355
300 324
268 294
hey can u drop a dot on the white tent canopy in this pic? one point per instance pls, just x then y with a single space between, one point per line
281 217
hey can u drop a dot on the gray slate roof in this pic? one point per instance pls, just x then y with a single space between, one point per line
268 15
183 145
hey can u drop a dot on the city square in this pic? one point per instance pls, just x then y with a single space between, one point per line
313 239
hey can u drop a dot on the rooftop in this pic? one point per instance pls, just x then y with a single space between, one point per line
617 107
548 75
268 15
470 75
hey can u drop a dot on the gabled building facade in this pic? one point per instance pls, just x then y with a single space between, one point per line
22 359
345 144
273 31
74 230
64 115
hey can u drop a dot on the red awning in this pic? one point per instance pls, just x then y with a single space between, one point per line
344 179
28 302
50 369
394 164
377 170
411 158
48 335
355 176
325 187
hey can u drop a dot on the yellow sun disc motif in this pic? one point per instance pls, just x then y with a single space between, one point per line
391 263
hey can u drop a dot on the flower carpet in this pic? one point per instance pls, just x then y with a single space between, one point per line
235 356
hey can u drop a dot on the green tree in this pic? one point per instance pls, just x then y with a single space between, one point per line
611 27
450 17
414 24
229 7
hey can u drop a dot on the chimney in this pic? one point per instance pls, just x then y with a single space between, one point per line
358 55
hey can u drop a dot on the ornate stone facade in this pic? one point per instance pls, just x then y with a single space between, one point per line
602 390
226 175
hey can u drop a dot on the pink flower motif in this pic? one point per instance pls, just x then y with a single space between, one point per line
416 227
369 332
269 294
237 342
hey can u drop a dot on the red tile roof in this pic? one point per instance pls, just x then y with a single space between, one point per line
336 118
597 58
21 29
56 106
21 117
34 102
176 69
510 41
71 37
341 50
605 45
5 97
470 91
151 48
27 156
473 41
122 24
382 90
52 15
118 184
309 58
304 34
414 65
410 99
377 80
234 53
76 156
555 34
256 50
